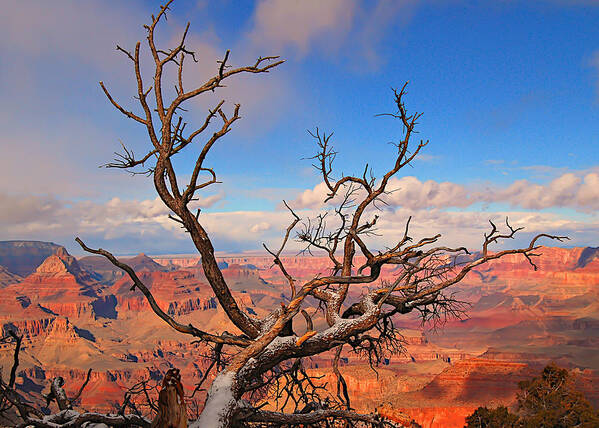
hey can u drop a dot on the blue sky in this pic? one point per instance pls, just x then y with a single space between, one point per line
509 91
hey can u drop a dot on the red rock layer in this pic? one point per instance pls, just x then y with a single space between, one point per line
177 293
430 417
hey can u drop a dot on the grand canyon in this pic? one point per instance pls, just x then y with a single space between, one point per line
77 314
293 214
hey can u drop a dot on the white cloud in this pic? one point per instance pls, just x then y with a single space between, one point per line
349 29
578 191
425 157
301 24
568 190
311 198
466 228
17 210
412 193
260 227
408 192
45 217
130 226
588 193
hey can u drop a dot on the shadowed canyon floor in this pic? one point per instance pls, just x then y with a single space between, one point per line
81 314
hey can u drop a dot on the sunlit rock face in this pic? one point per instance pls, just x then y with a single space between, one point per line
58 286
31 328
430 417
60 274
177 293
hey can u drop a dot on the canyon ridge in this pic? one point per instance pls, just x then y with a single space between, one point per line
76 314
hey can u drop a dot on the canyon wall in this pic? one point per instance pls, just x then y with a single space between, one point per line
80 314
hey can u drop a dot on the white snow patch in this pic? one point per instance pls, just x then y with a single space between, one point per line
269 322
280 342
220 402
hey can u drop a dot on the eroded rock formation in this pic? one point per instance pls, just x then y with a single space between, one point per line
79 315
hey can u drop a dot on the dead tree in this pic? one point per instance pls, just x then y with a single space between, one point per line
267 352
31 415
58 394
172 412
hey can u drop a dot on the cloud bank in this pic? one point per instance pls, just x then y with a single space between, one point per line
576 191
448 208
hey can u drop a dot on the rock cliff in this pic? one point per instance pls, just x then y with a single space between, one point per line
22 257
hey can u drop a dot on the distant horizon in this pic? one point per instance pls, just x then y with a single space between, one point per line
247 253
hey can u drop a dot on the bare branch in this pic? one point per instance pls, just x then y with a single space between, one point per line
127 160
76 397
13 371
314 417
277 260
58 394
187 329
68 418
127 113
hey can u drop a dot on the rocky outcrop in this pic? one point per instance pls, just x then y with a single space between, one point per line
478 379
178 261
177 293
22 257
105 271
53 337
567 268
7 277
457 391
61 264
82 309
143 263
62 332
586 323
109 273
171 307
59 276
58 286
193 304
29 329
239 273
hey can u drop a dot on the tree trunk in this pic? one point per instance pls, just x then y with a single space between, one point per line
220 405
172 412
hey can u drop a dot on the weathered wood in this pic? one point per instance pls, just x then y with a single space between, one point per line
172 412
